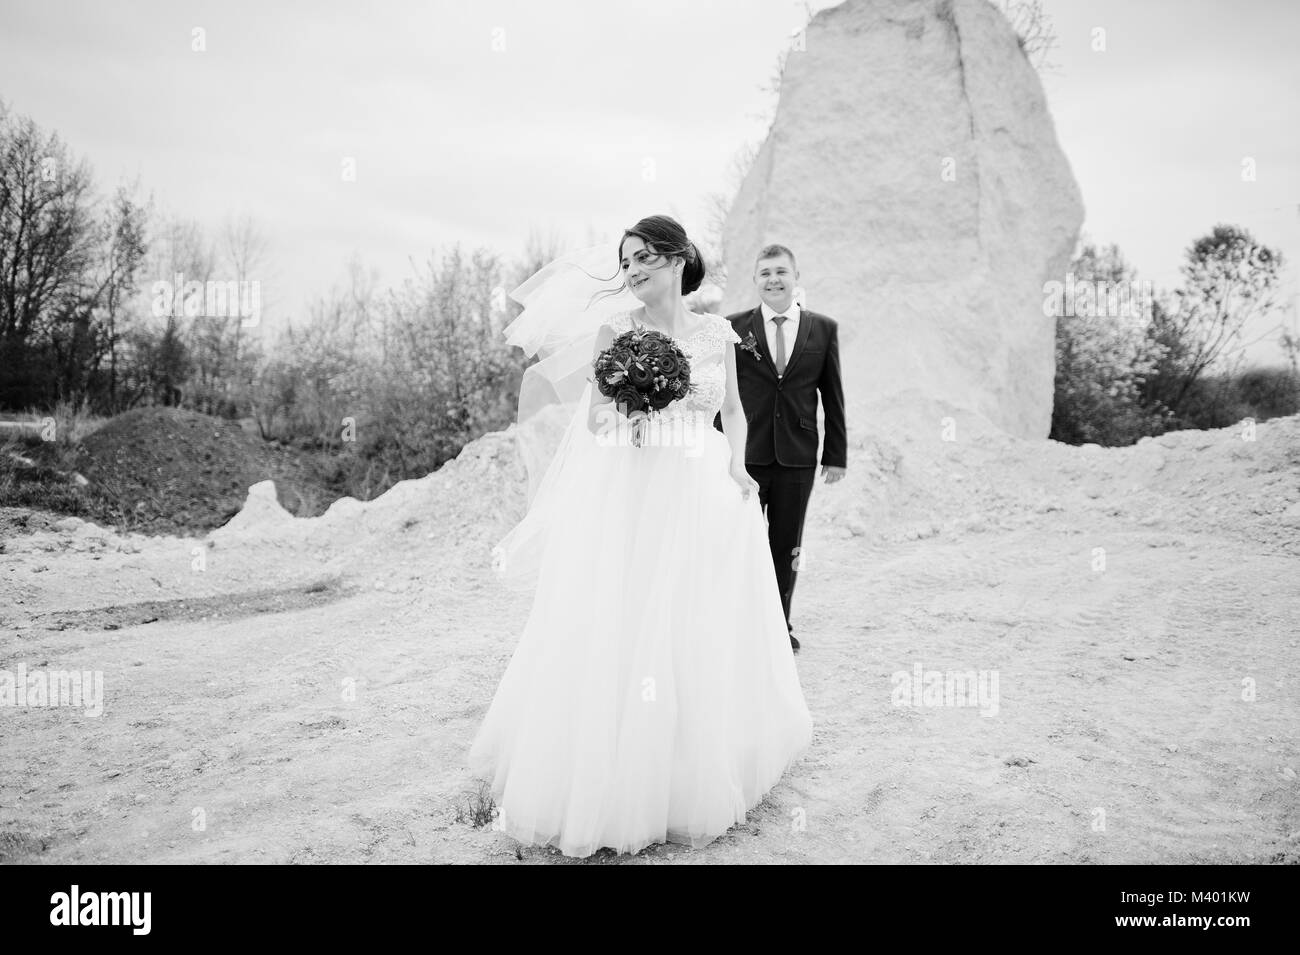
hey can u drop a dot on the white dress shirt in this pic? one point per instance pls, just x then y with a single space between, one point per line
788 328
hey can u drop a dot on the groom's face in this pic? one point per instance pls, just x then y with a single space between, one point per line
775 280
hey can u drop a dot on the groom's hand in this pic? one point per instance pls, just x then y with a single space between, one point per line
832 474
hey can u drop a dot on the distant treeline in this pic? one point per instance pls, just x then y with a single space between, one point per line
1143 362
104 307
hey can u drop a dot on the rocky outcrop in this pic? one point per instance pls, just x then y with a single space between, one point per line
914 169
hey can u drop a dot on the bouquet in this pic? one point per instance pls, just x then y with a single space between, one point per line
644 371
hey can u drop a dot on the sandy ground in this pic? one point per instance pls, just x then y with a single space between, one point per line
305 690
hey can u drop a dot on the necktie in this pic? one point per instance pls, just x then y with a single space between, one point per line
780 343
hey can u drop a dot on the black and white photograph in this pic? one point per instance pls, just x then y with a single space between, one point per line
731 432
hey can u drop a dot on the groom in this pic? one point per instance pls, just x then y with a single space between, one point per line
785 357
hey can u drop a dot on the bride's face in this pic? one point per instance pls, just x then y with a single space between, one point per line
649 275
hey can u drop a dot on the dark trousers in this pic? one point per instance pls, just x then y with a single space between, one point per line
783 492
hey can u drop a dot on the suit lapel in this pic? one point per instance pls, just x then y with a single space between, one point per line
760 333
800 337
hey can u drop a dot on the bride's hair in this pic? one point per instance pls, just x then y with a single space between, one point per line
665 236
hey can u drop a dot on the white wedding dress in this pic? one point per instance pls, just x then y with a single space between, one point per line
653 695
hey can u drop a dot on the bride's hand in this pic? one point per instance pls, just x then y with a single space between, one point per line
741 476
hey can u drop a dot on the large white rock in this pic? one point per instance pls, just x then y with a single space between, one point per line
936 281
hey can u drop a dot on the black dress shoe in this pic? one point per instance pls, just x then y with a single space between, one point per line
794 644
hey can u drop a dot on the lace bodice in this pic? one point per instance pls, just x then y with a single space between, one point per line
704 349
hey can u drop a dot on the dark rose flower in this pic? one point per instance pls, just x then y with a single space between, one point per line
662 400
667 365
640 375
628 400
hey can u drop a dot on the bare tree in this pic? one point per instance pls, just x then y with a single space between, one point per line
1291 348
126 243
243 250
187 349
68 268
244 247
1033 31
1228 279
48 243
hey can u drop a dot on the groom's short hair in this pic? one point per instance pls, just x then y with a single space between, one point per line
772 251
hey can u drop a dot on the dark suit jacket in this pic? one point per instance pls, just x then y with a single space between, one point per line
782 413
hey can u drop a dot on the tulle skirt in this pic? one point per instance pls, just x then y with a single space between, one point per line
653 695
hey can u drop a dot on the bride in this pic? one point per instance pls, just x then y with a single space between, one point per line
653 695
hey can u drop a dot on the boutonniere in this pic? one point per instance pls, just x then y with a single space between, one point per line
750 344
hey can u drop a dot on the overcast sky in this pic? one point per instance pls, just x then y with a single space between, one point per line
458 139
